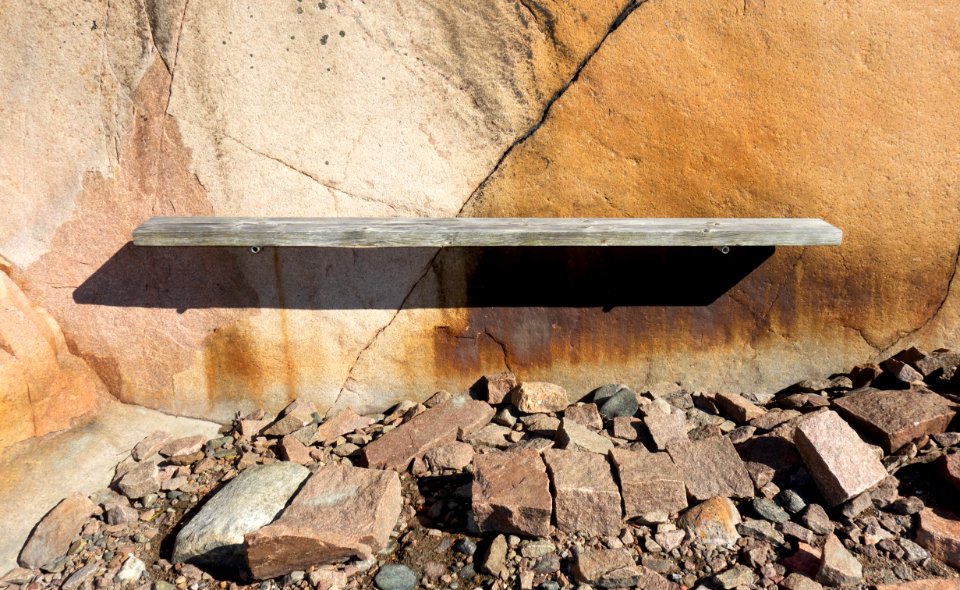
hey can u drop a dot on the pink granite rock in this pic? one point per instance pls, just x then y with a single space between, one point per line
711 467
511 493
56 531
292 449
897 417
616 568
627 428
842 465
497 387
537 398
738 408
939 533
649 482
586 498
458 417
141 480
838 567
902 371
585 415
576 437
340 512
150 445
344 422
186 445
295 416
928 584
454 455
950 467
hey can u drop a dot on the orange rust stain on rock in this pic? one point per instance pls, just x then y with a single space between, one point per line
289 364
232 368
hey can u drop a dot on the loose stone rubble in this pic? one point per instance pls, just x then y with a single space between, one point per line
522 485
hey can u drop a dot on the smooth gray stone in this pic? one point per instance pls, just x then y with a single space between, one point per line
250 501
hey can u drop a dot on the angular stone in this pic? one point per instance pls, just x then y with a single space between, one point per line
796 581
901 371
542 424
735 577
150 445
584 415
292 449
627 428
511 493
455 455
711 467
649 482
806 560
186 445
897 417
251 500
574 437
838 567
458 417
343 422
615 568
141 480
664 425
491 435
950 468
537 398
842 465
341 512
52 536
712 522
586 498
495 388
939 533
295 416
495 557
738 408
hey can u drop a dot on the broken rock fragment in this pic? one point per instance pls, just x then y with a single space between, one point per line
842 465
939 533
295 416
141 480
585 415
738 408
511 493
574 437
495 388
343 422
838 567
458 417
665 424
536 397
711 467
897 417
340 513
249 501
586 498
615 568
150 445
649 482
53 534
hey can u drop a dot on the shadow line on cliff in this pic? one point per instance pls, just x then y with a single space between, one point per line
343 278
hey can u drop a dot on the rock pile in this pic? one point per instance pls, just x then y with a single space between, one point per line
846 481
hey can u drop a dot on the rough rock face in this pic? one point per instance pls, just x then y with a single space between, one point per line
511 493
723 109
43 387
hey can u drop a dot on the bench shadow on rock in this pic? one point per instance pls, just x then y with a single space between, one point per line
380 278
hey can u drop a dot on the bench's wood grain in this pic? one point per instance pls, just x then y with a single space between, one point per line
366 232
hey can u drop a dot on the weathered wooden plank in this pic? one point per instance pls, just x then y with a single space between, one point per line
366 232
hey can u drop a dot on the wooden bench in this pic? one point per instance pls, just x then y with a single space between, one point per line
373 232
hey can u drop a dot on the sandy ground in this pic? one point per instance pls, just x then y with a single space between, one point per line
36 474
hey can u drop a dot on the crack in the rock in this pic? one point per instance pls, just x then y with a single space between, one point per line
373 340
619 20
503 350
176 54
889 349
